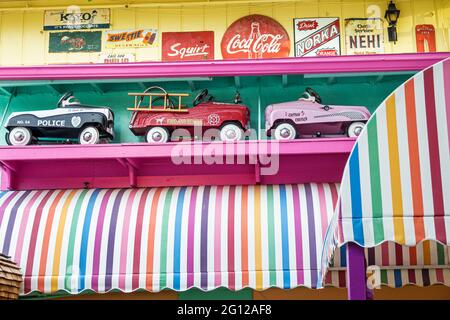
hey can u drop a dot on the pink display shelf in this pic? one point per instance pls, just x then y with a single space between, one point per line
144 165
310 65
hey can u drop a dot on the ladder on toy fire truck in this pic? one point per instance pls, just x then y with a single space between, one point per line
167 106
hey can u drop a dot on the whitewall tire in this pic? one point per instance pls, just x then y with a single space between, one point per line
157 135
355 128
89 135
285 131
231 132
19 136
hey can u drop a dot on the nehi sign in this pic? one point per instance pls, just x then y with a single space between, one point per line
364 36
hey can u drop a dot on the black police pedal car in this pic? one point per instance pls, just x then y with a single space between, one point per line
70 120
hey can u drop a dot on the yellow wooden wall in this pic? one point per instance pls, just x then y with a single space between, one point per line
22 41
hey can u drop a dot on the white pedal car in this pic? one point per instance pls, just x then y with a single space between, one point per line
71 120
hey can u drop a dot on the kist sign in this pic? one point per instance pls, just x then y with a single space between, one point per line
425 38
255 37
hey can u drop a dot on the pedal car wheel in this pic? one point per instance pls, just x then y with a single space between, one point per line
89 135
285 131
231 132
157 135
355 128
19 136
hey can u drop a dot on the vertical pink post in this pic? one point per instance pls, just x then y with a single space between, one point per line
356 272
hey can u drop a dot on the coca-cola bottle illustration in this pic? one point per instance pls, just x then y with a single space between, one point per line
255 34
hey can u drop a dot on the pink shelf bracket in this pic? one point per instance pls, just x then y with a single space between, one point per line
9 174
131 171
257 170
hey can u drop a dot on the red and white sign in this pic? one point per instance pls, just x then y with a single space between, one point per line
317 37
425 38
255 37
198 45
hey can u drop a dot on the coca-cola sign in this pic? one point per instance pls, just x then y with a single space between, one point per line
255 37
197 45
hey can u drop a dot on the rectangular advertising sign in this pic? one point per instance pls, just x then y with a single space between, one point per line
134 38
197 45
116 57
364 36
317 37
75 41
76 19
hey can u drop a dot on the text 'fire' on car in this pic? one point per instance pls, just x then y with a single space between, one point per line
165 118
71 120
308 117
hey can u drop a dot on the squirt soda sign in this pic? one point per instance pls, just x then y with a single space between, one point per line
197 45
255 37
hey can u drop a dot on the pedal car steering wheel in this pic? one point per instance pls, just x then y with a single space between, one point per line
63 98
314 94
200 97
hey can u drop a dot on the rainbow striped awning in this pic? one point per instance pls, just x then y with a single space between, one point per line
177 238
396 184
394 265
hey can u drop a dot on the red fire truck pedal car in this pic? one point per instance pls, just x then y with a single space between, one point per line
165 118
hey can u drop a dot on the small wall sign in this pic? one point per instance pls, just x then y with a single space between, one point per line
317 37
116 57
75 41
75 19
425 38
198 45
133 38
364 36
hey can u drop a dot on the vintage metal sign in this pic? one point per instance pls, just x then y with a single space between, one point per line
317 37
364 36
75 41
136 38
74 19
197 45
116 57
425 38
255 37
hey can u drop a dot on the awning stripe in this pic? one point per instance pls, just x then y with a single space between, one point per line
129 239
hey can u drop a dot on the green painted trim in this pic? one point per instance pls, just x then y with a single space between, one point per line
6 84
216 294
354 75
